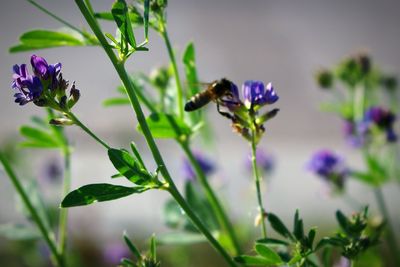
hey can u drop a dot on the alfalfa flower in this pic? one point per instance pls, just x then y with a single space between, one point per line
45 87
206 165
245 114
330 167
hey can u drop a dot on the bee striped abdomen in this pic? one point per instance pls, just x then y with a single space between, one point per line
199 100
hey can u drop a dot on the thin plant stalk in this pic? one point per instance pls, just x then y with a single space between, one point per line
47 235
390 235
212 198
63 221
119 67
179 90
257 178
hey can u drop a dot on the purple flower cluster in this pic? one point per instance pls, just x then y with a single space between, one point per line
376 120
244 114
254 93
205 164
330 167
45 87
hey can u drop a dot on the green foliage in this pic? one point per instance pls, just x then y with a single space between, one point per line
130 167
119 12
19 232
40 39
166 126
181 238
92 193
142 260
39 138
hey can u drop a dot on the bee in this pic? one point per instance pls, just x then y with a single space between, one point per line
214 92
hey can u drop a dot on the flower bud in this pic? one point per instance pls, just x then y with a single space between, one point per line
61 122
324 79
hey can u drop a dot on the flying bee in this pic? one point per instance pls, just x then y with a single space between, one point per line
214 92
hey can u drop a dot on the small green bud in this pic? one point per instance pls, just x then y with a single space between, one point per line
61 122
160 77
324 79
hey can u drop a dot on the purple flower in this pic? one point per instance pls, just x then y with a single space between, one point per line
114 252
355 133
255 94
30 91
383 119
40 67
206 165
329 166
232 101
265 161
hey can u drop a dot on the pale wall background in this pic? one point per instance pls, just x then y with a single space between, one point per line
279 41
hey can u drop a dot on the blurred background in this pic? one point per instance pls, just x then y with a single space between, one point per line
283 41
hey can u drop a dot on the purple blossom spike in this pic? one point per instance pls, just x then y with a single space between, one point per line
255 93
329 166
206 165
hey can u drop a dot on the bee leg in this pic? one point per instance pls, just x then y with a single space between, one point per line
223 113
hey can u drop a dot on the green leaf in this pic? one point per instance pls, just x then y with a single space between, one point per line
189 62
132 247
273 242
166 126
181 238
173 215
92 193
19 232
129 167
342 220
135 152
146 19
40 39
329 241
311 236
134 17
253 260
38 138
119 11
267 253
278 226
116 101
153 248
365 177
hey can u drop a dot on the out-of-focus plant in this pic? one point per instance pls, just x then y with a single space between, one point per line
365 99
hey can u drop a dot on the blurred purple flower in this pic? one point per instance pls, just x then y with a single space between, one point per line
265 161
255 94
355 133
343 262
114 252
330 167
206 165
383 119
52 171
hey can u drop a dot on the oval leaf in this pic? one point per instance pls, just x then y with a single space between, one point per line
267 253
278 225
253 260
92 193
166 126
129 167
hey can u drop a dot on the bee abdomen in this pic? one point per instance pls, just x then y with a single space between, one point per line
197 101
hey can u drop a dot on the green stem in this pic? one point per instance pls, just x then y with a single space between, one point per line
258 183
66 23
87 130
47 235
119 67
212 198
179 91
63 221
390 235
